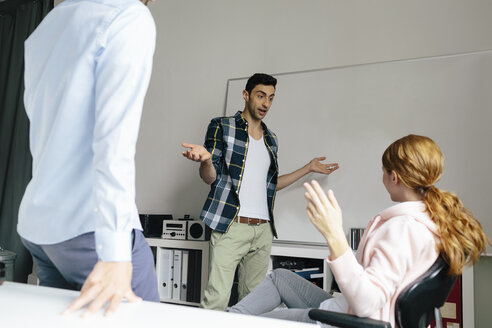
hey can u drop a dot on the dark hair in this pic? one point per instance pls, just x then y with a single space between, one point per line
260 78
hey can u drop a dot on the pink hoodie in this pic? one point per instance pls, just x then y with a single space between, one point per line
398 245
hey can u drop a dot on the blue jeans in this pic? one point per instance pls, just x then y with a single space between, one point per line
67 264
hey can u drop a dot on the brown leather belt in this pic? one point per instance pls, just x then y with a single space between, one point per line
250 221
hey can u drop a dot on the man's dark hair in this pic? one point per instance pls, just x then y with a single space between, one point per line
260 78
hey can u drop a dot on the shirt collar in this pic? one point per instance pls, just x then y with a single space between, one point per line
241 121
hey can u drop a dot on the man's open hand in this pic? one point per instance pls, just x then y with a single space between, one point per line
196 153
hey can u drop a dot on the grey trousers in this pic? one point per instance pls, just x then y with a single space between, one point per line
282 286
67 264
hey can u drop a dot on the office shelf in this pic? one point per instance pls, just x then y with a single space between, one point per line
202 246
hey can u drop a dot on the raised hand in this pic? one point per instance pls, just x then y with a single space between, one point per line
196 153
325 214
315 165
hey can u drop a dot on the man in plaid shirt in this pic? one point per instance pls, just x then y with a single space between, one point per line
239 161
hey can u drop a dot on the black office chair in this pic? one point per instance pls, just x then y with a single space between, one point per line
416 306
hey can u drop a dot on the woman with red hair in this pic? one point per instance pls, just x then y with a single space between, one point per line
398 245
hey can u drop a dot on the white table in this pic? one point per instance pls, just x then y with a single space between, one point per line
23 305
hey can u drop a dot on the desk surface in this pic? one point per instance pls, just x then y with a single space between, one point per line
23 305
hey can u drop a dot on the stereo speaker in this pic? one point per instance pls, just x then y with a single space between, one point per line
197 230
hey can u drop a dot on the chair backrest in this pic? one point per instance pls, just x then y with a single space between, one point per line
415 305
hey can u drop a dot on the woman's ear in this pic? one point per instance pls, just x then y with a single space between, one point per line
394 177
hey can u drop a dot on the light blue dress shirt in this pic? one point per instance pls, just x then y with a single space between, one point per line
87 69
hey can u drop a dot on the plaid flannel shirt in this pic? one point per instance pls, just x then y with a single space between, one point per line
227 140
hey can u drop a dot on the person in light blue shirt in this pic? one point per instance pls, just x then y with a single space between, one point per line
87 69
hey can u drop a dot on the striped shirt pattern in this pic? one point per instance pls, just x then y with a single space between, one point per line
227 140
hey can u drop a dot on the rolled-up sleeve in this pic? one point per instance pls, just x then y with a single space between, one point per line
214 144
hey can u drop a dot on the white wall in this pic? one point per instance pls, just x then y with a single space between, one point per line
483 272
201 44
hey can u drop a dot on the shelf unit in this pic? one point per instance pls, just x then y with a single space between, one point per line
202 246
279 248
304 250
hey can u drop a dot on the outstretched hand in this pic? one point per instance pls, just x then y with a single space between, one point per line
325 214
108 282
196 153
316 166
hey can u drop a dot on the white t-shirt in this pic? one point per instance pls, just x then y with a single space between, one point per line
253 190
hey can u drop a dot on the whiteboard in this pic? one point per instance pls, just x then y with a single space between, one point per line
351 114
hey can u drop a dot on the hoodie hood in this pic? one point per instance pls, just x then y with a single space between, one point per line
414 209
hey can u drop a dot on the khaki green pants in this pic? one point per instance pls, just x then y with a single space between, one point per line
244 246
